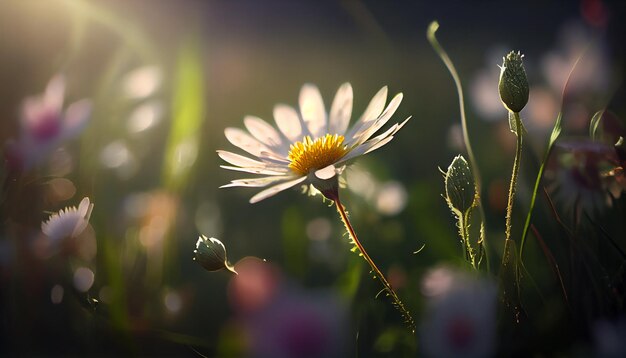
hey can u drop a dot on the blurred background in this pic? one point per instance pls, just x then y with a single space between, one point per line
167 77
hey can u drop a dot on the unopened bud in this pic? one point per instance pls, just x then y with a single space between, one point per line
460 187
210 253
513 86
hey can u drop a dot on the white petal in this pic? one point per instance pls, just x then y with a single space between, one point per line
257 182
365 148
68 222
365 134
81 224
378 144
374 143
373 110
391 131
341 110
288 122
83 207
275 190
243 140
76 117
262 131
326 173
312 110
240 160
254 170
274 158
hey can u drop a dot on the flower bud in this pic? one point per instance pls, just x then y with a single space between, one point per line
210 253
513 86
460 187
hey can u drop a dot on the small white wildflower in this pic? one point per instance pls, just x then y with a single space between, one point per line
69 222
312 146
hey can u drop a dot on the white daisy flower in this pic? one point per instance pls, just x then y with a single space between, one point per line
310 147
45 125
69 222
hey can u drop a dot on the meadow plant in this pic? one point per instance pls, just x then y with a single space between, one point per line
314 149
492 298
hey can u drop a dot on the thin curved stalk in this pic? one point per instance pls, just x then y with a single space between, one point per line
443 55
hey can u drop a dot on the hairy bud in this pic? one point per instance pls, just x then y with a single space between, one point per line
513 86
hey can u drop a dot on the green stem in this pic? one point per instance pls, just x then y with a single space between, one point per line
376 271
555 133
464 232
516 165
443 55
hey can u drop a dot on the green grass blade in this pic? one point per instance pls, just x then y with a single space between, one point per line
556 131
188 111
594 124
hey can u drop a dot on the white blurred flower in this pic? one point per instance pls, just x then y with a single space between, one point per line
69 222
313 146
44 125
83 279
392 198
142 82
592 73
461 316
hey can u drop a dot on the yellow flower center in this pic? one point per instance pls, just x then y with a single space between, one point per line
310 154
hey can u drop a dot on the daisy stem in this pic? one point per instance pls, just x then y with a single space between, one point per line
464 232
375 270
516 165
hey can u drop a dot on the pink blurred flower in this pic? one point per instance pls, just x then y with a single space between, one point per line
460 320
585 175
44 125
299 324
281 321
254 287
